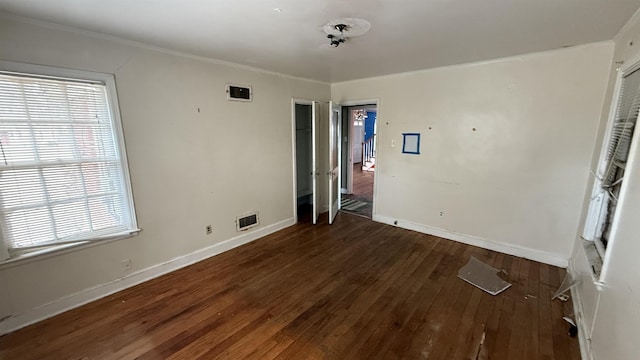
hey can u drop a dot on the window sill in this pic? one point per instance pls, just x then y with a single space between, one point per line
61 249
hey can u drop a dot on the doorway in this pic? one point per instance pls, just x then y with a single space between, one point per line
359 128
305 174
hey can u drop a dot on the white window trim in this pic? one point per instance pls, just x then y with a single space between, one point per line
594 214
112 98
56 250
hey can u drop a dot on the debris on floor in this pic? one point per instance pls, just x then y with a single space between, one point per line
481 354
483 276
573 329
567 284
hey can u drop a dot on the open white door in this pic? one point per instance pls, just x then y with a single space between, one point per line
315 117
334 161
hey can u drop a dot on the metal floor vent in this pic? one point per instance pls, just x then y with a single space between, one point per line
239 92
248 221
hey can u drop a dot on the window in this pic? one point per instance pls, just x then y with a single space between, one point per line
63 171
610 180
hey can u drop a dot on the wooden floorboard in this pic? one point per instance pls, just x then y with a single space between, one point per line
362 191
362 182
352 290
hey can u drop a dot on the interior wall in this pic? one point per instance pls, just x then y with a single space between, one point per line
370 124
195 158
505 148
609 314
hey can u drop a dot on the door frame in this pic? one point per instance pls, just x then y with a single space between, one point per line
294 102
348 186
363 103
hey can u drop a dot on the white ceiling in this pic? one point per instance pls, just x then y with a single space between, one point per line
405 35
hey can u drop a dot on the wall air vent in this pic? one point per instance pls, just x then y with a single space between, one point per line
239 92
247 221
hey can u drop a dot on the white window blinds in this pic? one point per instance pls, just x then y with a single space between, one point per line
622 131
62 170
623 127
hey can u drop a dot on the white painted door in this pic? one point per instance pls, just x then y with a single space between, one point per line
315 172
334 161
358 139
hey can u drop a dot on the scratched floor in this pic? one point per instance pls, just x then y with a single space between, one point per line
352 290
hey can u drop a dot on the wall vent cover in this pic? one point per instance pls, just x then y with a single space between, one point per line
247 221
239 92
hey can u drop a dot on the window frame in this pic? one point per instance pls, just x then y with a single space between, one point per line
112 101
597 255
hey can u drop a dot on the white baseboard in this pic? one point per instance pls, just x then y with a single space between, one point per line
515 250
58 306
585 344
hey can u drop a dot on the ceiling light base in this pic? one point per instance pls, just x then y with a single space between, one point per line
339 30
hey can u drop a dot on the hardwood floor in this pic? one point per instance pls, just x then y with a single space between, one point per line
362 182
318 292
362 191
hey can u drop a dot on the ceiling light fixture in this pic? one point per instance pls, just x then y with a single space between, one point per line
339 30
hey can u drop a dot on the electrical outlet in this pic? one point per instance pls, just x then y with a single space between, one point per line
441 213
125 265
208 230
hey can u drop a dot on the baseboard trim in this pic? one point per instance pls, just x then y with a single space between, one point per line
56 307
515 250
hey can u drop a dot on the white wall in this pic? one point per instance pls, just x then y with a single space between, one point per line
517 182
188 168
610 315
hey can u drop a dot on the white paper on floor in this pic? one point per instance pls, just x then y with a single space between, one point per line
483 276
567 284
